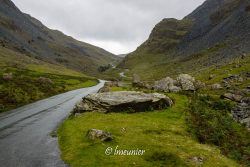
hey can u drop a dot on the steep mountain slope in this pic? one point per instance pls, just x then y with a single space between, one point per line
24 34
216 32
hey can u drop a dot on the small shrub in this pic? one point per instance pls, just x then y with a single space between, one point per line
104 68
248 8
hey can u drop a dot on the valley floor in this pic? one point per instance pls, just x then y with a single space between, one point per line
162 134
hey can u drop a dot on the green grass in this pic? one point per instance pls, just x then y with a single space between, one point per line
223 71
211 123
11 58
27 87
162 134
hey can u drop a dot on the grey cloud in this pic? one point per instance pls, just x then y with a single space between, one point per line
124 22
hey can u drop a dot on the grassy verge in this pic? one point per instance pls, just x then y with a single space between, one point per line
27 86
211 123
163 134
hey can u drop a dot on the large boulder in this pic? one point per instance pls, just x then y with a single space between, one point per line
186 82
124 101
166 85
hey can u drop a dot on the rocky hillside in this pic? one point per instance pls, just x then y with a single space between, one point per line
216 32
25 35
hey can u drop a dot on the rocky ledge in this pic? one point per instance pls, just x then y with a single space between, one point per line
125 101
183 82
241 112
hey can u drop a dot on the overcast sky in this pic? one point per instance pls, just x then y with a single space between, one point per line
118 26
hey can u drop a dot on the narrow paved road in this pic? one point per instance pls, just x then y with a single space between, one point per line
25 139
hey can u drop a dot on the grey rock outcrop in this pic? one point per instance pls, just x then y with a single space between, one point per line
8 76
195 159
125 101
232 97
186 82
241 112
136 81
182 82
216 86
108 85
166 85
46 80
104 89
96 134
199 85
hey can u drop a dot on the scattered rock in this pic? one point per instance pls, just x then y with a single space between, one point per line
248 74
166 85
8 76
211 76
227 85
230 77
174 89
243 56
241 92
96 134
123 129
46 80
104 89
107 85
195 159
238 84
136 81
77 115
241 112
183 82
111 84
186 82
237 66
148 86
232 97
125 101
240 79
199 85
216 86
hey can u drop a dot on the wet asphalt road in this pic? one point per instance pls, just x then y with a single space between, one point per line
25 139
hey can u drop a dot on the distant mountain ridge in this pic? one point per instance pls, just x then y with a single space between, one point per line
216 32
25 34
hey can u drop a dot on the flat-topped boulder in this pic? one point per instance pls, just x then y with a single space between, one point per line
124 101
